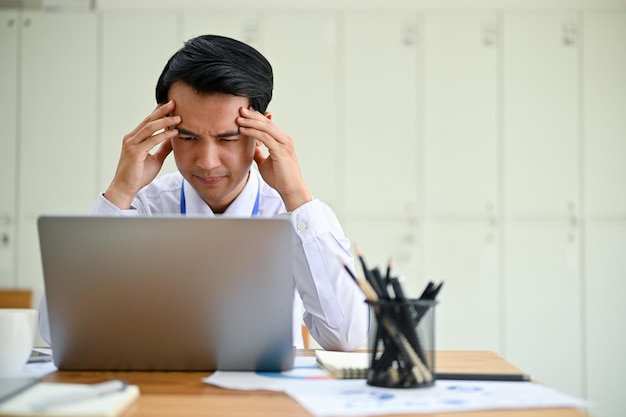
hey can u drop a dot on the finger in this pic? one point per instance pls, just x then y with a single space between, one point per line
253 119
259 156
159 112
160 138
152 127
260 131
146 145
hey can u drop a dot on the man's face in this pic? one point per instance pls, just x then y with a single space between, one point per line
209 151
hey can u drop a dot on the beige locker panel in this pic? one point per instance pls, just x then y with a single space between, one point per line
58 113
133 55
9 38
58 127
461 150
541 113
604 83
241 25
605 286
465 255
382 239
380 113
303 48
542 298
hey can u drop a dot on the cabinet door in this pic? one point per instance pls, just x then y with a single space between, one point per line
9 45
58 126
381 240
303 48
465 255
380 112
542 298
604 106
605 269
461 151
133 55
604 80
541 113
243 26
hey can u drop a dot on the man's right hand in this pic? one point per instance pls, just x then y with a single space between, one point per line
137 167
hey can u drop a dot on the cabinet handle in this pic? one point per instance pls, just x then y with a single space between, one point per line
26 22
569 32
10 23
490 33
408 34
250 32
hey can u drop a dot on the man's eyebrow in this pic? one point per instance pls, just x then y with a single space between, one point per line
227 134
186 132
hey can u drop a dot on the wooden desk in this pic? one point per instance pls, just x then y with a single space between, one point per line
183 394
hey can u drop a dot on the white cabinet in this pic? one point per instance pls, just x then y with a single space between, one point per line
382 240
541 113
57 149
605 286
380 136
381 115
461 149
461 176
242 25
9 53
542 301
604 70
541 149
133 55
466 257
304 50
604 108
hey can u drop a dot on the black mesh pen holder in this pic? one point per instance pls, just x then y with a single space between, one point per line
403 346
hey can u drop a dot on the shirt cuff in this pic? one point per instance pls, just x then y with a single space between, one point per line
103 207
311 220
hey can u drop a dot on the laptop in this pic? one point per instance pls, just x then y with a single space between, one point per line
169 293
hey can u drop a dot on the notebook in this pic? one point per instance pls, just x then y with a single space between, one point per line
169 293
345 365
109 405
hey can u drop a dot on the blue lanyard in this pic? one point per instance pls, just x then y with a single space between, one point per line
183 204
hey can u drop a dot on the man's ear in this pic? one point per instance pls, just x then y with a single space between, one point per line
268 115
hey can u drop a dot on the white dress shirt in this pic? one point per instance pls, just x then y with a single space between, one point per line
335 312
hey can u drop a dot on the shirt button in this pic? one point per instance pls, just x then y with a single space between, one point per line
301 226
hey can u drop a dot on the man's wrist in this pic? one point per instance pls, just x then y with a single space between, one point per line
119 199
295 200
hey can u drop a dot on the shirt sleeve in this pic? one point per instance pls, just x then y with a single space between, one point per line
335 309
103 207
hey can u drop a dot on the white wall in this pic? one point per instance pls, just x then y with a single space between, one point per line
481 144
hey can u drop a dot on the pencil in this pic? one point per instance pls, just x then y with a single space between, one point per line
463 376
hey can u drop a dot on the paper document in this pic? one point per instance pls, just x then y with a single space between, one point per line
324 396
36 370
109 405
351 397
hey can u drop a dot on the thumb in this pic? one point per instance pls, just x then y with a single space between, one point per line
259 156
164 150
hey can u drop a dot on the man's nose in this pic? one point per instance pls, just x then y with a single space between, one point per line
207 155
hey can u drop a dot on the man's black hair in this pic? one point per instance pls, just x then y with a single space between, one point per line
217 64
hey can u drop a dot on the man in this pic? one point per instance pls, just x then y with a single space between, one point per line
213 95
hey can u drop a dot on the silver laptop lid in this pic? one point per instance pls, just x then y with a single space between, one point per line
169 293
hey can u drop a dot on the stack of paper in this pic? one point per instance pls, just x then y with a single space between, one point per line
109 405
344 365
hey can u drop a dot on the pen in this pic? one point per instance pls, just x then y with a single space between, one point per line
482 376
80 394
